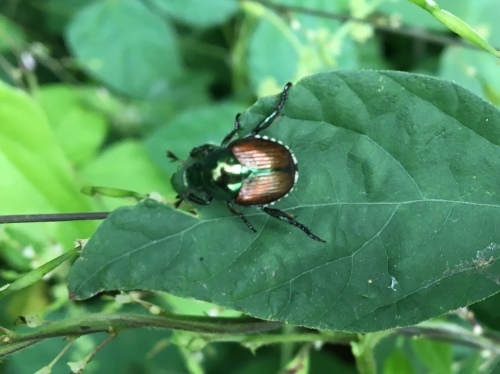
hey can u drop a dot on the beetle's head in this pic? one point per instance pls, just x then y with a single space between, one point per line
189 177
179 181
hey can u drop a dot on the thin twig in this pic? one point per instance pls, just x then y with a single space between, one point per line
415 33
56 217
454 334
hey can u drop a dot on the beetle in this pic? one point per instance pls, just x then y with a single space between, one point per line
254 170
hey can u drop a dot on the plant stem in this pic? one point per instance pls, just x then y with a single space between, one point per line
102 322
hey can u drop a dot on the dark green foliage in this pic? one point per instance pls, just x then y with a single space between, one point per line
402 246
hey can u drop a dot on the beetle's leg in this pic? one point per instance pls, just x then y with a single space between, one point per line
276 112
178 202
231 135
193 198
198 200
173 157
276 213
239 214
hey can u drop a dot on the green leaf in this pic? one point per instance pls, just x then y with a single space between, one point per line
300 363
397 362
78 129
472 69
199 13
313 45
37 274
137 173
36 177
398 172
456 25
190 129
125 45
363 351
272 38
436 356
409 14
11 36
461 66
483 16
58 13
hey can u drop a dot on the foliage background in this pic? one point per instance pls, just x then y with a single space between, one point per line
107 78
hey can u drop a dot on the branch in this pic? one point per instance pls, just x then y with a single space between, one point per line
410 32
102 322
454 334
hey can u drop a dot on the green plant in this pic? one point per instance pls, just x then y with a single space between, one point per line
398 173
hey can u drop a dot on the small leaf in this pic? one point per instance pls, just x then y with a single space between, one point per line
107 33
199 13
11 36
37 274
139 175
456 25
36 177
397 362
312 45
398 172
436 356
68 114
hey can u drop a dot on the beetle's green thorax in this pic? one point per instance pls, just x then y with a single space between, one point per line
217 173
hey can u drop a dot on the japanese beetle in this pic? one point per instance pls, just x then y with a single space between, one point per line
251 171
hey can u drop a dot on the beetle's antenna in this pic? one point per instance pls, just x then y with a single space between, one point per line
276 112
173 157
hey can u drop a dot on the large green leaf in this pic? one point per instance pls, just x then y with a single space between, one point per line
126 46
399 173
